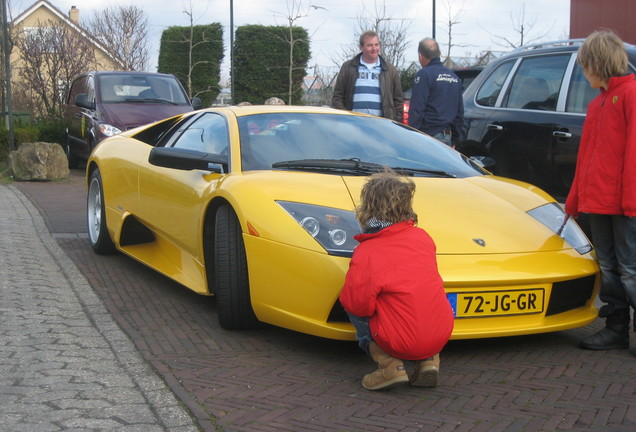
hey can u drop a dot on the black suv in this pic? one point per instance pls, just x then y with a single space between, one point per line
526 111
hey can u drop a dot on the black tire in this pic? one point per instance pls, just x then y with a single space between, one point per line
232 286
98 235
73 161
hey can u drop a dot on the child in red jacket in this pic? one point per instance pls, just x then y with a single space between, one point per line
393 292
604 183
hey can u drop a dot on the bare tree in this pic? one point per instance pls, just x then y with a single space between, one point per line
452 20
124 29
52 56
392 32
524 30
295 12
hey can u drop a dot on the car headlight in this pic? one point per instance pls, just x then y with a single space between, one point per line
552 216
332 228
108 130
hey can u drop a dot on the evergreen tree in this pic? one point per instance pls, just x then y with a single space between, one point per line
262 62
193 54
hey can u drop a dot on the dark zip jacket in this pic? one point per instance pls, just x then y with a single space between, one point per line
436 103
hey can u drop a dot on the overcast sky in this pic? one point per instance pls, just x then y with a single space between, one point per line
332 26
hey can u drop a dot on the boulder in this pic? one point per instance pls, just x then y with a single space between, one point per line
39 161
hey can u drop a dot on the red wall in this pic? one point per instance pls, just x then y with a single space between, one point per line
616 15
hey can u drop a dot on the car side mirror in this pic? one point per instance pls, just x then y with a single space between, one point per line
81 100
196 103
483 161
186 159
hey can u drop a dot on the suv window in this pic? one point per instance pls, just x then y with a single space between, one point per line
537 82
580 94
491 88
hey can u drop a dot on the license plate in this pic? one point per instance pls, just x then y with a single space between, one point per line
496 303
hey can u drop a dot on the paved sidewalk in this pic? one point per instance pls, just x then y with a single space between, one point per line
64 363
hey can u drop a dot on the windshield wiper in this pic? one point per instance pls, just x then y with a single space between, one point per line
413 171
351 166
151 100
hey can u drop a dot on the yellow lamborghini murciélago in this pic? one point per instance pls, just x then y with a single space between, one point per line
255 205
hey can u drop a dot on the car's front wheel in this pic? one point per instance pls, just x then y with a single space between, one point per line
96 216
232 286
73 162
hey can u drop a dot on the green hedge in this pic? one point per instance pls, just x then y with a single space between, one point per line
261 63
207 54
47 131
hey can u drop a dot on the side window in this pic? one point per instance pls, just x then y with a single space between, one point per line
90 89
490 89
537 82
209 134
78 86
580 94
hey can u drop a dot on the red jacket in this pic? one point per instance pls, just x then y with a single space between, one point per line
393 279
605 178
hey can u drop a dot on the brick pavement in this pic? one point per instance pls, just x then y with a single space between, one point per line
64 363
272 379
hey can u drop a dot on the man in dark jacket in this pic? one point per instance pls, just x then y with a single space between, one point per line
437 107
368 83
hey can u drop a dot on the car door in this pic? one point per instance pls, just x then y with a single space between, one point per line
524 122
78 118
172 201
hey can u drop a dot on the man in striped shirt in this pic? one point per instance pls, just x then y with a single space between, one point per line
368 83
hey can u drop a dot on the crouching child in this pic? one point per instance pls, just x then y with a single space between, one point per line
393 291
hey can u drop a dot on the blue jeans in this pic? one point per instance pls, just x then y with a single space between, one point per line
363 332
445 138
614 238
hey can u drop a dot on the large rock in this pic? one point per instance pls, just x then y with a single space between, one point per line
39 161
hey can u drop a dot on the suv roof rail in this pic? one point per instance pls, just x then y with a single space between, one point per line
557 44
550 44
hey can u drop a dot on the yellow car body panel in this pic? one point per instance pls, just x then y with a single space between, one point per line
486 241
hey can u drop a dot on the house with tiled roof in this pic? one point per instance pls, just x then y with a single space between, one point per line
33 22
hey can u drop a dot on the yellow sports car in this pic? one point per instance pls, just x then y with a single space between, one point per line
255 205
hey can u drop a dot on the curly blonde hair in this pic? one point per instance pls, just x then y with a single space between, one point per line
388 197
603 54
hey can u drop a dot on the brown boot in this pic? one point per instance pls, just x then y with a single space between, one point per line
390 370
426 372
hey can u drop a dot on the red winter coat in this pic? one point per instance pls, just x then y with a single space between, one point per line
393 280
605 178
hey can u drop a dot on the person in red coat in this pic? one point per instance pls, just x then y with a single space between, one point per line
393 291
604 183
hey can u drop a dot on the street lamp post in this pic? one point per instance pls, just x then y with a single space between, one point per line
433 32
232 51
6 49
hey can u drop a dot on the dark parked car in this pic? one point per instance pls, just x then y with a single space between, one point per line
104 103
468 75
526 110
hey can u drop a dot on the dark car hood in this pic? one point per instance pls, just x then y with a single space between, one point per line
130 115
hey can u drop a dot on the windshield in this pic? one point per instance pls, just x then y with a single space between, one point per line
140 88
345 144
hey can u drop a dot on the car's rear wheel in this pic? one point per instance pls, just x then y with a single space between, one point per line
96 216
232 286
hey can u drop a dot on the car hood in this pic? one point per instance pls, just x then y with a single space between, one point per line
128 116
476 215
